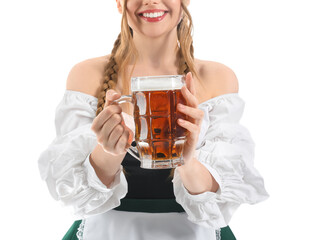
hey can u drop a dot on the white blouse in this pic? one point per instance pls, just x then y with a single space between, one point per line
224 147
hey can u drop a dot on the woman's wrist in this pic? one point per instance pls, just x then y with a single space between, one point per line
105 165
196 178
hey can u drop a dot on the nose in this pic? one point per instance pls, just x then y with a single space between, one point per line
150 2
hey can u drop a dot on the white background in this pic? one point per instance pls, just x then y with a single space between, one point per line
266 43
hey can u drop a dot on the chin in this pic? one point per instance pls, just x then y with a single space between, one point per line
153 32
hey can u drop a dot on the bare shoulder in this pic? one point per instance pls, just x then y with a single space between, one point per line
218 77
85 76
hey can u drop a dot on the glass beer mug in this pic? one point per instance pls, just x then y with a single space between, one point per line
159 139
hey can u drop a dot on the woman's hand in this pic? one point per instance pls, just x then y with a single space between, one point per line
109 127
195 117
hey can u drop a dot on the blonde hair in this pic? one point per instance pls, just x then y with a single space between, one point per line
124 51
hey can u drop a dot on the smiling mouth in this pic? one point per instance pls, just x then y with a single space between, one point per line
153 15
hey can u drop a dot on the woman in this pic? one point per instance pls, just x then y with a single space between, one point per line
87 166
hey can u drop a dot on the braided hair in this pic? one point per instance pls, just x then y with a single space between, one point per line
110 77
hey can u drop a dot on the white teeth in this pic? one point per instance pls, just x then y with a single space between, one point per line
153 15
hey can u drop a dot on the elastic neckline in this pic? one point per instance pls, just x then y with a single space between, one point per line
81 93
219 96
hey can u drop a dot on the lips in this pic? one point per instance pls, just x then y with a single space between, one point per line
152 11
153 15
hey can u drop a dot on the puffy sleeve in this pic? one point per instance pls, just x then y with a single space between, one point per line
226 149
65 165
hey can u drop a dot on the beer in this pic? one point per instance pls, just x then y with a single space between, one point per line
159 138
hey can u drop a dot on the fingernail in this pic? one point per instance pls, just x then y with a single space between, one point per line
111 93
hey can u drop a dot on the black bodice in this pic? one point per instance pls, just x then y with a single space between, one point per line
146 183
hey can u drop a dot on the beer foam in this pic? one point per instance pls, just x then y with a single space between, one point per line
157 83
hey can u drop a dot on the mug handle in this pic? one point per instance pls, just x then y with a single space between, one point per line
128 99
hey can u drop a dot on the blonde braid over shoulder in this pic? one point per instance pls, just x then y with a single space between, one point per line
110 76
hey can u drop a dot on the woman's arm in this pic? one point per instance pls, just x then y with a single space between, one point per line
226 149
65 164
105 165
85 77
196 178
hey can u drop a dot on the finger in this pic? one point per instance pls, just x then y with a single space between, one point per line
115 135
190 83
191 127
190 98
110 124
111 95
104 115
120 146
194 113
122 142
131 135
104 133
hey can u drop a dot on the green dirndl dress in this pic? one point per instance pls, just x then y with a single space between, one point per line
155 197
